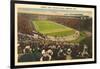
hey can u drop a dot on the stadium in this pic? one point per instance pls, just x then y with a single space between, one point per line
53 37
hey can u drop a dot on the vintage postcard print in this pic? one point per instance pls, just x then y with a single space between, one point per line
53 34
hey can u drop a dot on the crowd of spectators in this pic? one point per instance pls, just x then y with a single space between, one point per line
32 48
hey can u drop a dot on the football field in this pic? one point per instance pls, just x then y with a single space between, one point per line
52 28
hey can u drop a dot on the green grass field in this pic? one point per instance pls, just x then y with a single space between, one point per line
52 28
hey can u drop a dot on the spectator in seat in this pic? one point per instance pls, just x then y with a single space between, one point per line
69 52
27 56
85 51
